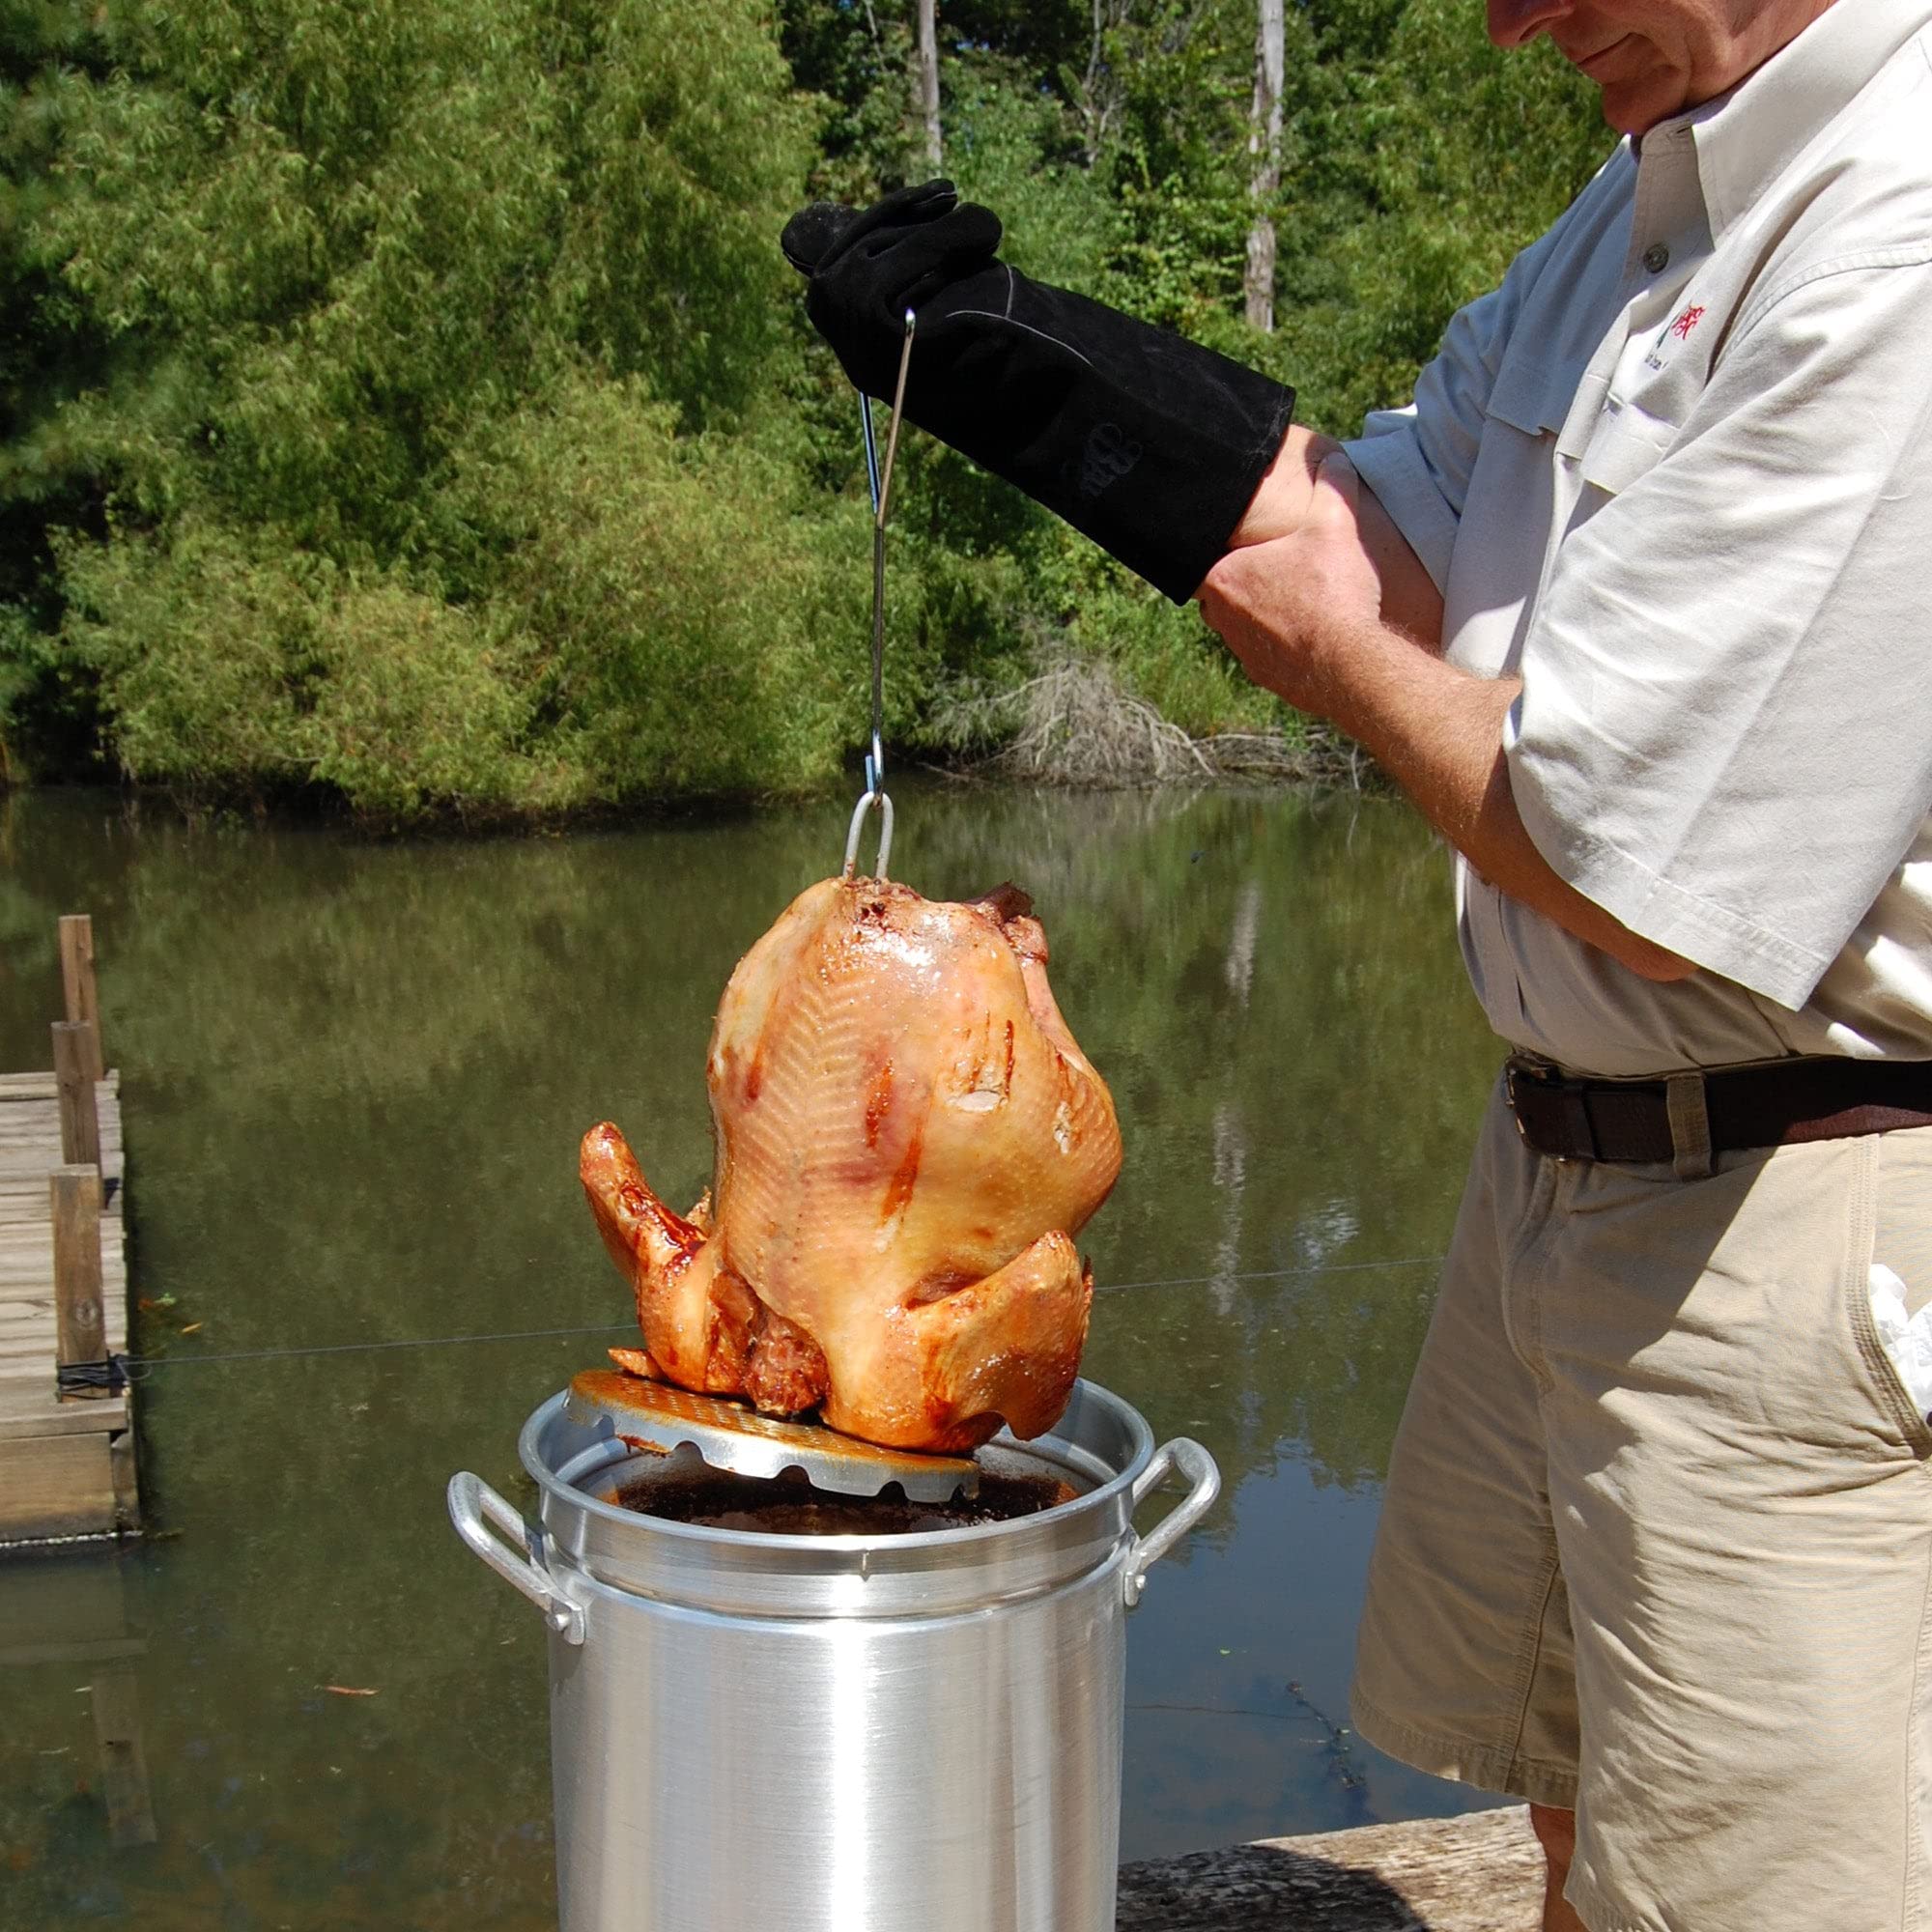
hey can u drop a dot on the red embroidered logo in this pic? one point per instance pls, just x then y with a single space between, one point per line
1686 323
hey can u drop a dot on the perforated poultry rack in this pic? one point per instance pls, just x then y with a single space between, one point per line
656 1419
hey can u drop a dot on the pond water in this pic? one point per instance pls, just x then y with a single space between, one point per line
355 1075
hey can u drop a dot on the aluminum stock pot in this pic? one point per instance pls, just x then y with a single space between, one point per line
843 1733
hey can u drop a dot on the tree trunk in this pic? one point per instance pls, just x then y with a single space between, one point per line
925 80
1264 150
1097 93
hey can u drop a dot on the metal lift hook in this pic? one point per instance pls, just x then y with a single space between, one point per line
880 483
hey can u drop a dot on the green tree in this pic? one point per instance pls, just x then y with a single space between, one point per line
351 263
49 349
406 403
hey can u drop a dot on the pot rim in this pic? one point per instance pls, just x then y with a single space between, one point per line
702 1536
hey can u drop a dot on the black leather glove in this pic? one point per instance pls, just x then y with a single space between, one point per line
1151 444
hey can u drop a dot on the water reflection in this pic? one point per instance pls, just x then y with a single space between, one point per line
355 1076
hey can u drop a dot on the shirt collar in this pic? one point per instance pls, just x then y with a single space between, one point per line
1746 138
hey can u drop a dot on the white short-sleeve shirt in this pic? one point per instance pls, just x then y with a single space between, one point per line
1677 473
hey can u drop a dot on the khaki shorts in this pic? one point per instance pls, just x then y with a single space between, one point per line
1657 1544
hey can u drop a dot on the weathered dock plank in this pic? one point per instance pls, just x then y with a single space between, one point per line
1482 1872
57 1485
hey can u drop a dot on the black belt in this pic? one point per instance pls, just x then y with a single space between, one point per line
1769 1104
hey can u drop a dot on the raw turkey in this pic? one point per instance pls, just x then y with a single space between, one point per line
907 1141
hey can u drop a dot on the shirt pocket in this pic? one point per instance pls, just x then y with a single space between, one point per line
1534 394
1620 447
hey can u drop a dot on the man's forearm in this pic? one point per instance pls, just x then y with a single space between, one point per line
1282 505
1309 615
1438 732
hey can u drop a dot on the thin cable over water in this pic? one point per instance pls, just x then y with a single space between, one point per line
145 1362
372 1348
1271 1275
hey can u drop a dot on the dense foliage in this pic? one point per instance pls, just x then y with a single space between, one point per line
406 401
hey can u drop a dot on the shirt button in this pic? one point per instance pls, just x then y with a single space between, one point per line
1656 258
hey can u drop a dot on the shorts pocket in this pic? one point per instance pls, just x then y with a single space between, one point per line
1888 1386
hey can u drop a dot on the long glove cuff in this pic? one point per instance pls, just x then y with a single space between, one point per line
1149 444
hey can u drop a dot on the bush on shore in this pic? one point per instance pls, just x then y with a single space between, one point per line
405 404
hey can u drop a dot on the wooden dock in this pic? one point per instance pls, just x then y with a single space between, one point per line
67 1440
1482 1872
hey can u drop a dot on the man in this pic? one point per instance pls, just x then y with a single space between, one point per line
1630 600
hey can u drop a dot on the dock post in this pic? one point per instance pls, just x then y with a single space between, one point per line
81 1314
123 1766
124 1476
84 997
76 1048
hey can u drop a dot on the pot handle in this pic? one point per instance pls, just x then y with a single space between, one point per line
471 1503
1197 1467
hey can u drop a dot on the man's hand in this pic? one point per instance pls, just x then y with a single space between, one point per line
865 268
1151 444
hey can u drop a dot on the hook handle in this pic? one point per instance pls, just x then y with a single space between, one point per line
873 798
872 451
879 480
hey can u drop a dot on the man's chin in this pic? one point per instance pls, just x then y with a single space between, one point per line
1635 106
